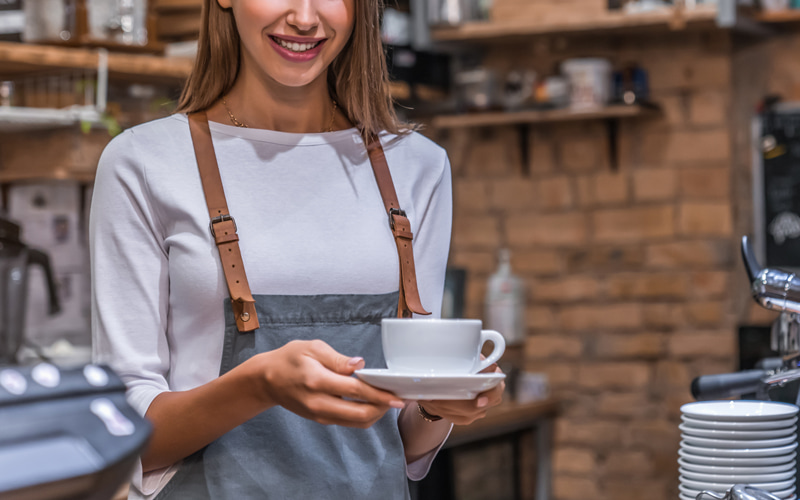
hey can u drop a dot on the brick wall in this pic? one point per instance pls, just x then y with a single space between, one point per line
634 280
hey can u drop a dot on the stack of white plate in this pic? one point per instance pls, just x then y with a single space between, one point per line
732 442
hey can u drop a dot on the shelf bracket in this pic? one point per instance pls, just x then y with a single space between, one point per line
523 130
612 134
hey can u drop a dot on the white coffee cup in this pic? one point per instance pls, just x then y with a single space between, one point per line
438 346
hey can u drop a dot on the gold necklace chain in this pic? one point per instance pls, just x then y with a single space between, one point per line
238 123
230 114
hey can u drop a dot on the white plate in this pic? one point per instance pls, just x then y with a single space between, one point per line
692 493
738 478
748 426
737 461
428 386
749 453
707 485
691 430
739 411
730 470
742 444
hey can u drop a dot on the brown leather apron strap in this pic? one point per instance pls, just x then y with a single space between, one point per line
223 226
401 229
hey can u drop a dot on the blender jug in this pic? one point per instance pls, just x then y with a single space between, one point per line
15 258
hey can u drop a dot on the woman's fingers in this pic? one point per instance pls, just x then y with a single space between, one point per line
466 412
450 409
491 397
331 359
338 383
457 412
331 410
315 381
350 387
491 368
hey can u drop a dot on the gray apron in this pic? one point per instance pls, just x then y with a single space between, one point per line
280 455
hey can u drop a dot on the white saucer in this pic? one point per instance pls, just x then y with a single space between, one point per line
742 444
738 461
430 386
744 426
737 478
691 430
735 470
739 411
735 452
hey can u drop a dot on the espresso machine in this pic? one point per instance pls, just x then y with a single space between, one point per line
65 434
774 379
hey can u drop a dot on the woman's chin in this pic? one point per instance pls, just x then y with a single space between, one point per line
295 80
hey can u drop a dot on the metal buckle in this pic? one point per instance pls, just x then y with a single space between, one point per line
395 211
221 218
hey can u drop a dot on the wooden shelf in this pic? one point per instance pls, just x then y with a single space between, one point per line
531 117
9 177
784 16
22 58
667 19
160 5
611 115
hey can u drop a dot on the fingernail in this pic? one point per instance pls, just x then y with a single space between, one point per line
354 361
397 404
483 402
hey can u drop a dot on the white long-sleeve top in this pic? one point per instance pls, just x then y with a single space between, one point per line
310 220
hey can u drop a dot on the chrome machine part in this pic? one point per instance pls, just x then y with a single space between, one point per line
738 492
774 289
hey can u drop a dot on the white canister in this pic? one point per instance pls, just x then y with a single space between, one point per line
590 81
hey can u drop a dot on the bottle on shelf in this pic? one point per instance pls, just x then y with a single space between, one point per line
505 302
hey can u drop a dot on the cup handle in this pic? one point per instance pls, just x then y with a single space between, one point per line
499 348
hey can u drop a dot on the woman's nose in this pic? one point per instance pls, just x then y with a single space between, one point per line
304 15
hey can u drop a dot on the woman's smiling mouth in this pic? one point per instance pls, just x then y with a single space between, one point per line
297 49
295 46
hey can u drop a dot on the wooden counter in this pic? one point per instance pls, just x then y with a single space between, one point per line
505 419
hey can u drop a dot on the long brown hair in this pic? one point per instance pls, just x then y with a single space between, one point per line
357 79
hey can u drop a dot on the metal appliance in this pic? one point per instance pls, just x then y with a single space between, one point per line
775 379
66 434
15 258
739 492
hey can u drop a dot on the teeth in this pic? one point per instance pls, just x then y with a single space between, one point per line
296 47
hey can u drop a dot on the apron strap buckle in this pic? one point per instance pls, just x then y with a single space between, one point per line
392 213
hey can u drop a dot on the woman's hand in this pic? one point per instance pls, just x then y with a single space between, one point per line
311 379
466 412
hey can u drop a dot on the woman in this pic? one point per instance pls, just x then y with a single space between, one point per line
287 89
